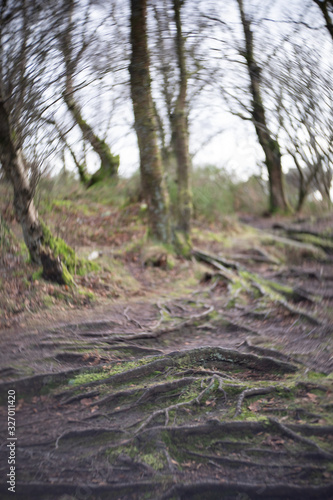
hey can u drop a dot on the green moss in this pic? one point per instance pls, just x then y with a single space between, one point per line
71 263
86 378
87 293
157 254
182 244
211 236
156 461
113 453
120 277
314 240
47 301
37 275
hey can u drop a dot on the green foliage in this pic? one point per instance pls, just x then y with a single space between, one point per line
212 193
216 194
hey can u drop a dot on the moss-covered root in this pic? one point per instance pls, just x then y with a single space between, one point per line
59 260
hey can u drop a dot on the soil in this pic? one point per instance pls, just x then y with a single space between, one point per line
220 390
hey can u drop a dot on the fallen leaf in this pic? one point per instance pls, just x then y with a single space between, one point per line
86 401
254 406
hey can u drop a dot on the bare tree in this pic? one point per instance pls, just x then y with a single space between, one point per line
152 178
268 143
297 83
71 57
21 103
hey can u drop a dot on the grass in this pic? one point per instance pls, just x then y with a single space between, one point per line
112 219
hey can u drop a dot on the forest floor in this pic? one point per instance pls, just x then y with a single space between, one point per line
163 378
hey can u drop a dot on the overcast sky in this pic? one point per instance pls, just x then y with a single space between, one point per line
216 136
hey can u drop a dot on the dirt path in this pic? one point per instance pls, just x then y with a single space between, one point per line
223 393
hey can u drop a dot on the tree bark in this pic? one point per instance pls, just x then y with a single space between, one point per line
270 146
152 179
180 133
16 172
109 162
325 6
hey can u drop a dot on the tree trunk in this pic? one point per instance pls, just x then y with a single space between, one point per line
13 164
16 172
277 200
109 162
326 6
152 179
180 134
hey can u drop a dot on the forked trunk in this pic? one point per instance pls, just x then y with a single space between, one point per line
109 162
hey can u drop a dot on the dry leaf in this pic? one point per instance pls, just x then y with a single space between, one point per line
254 406
86 401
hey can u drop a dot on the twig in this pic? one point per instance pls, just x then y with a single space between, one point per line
251 392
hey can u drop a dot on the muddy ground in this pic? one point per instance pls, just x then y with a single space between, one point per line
224 391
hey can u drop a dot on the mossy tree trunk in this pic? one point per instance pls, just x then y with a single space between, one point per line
109 162
180 133
153 183
326 7
16 172
270 146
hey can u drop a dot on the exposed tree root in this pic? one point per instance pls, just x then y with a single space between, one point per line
213 259
275 297
295 230
264 351
253 392
34 384
167 410
201 356
88 433
312 430
316 238
274 291
79 397
128 490
302 439
224 489
133 347
250 463
156 332
155 390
